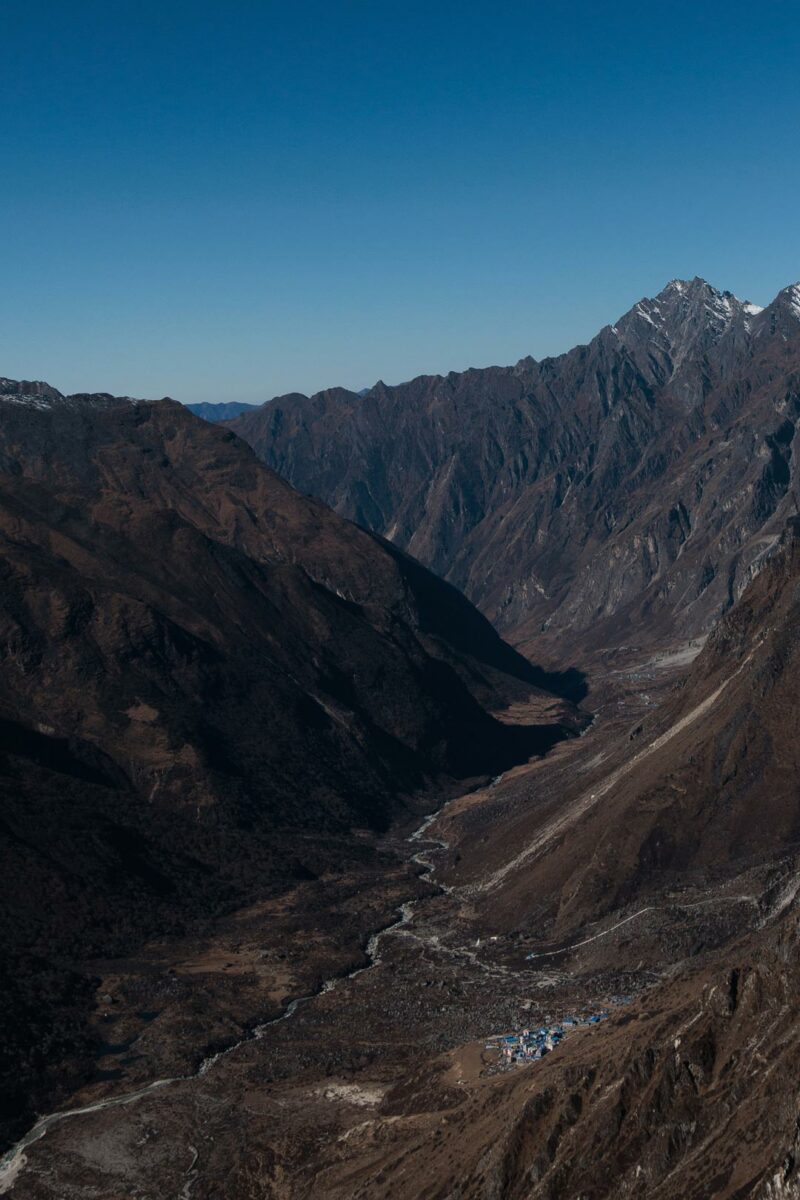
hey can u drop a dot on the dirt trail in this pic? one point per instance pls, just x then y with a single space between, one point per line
587 800
595 937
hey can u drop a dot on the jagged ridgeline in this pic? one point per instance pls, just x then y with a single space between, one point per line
632 484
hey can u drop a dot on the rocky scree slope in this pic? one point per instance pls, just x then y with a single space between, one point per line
628 488
206 681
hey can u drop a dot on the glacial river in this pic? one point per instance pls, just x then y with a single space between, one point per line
14 1161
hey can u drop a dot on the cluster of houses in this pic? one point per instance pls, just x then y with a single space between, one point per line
532 1044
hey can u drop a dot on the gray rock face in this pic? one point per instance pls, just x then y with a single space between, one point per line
628 488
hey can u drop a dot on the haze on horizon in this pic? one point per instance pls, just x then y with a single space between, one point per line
231 202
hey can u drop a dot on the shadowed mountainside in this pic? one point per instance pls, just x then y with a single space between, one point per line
660 853
206 682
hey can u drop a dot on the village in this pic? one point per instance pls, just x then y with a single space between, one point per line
530 1045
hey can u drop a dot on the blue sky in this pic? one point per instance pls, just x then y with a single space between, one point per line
225 201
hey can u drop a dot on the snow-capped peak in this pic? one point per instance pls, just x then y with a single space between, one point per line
792 294
693 301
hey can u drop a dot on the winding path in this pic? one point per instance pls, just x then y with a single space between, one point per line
589 799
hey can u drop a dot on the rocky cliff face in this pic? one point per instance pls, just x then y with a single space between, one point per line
626 489
206 681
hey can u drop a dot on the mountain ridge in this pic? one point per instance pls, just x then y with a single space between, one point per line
523 484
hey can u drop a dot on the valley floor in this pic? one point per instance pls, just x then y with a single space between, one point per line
380 1084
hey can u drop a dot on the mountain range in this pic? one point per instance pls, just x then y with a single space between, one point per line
627 488
241 660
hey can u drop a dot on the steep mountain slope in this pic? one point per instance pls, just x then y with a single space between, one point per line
698 793
206 681
627 488
688 1094
656 858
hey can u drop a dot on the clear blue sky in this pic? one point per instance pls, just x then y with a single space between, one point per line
224 201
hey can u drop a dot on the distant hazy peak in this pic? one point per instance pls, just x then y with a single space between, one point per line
222 411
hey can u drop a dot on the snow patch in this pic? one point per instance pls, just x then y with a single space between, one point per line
793 296
43 401
642 311
29 401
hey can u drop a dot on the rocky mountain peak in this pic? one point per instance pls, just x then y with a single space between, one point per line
685 305
781 318
31 392
789 299
671 335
